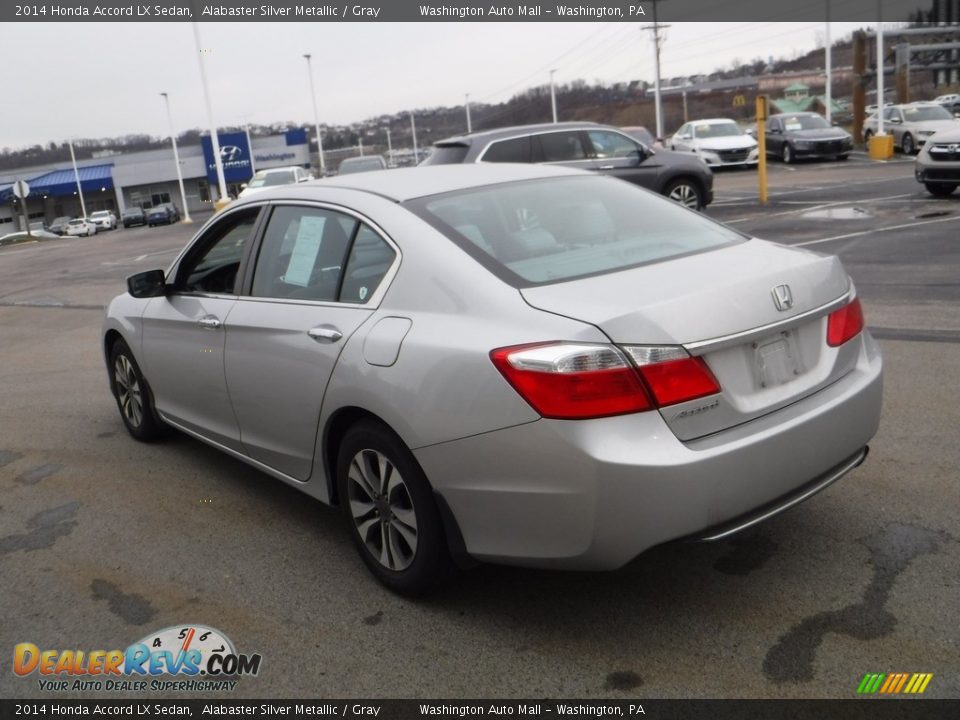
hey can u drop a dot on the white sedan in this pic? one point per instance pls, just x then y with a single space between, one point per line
717 141
80 226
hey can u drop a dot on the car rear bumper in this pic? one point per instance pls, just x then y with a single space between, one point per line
595 494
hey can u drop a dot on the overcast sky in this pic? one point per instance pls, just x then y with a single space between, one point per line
102 80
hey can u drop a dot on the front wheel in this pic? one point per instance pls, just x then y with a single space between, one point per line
907 144
134 399
389 506
786 154
685 192
940 189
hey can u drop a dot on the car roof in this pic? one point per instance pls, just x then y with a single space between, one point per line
713 121
805 112
408 183
285 168
484 135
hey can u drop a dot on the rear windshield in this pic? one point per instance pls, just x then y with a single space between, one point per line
271 179
446 155
545 231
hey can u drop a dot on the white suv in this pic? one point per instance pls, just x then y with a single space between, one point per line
104 220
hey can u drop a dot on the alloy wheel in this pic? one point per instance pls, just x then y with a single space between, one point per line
686 195
382 509
128 390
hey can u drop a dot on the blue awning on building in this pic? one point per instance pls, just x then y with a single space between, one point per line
60 183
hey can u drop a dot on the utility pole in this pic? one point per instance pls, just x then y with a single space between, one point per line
390 162
176 159
413 131
828 69
553 98
657 41
76 176
214 139
316 116
467 104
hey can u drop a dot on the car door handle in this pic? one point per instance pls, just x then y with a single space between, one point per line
325 333
210 322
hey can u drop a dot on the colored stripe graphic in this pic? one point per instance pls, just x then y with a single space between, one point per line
894 683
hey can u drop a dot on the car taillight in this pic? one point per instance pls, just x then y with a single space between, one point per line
575 381
845 323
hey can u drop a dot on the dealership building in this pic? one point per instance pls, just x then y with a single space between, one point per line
145 179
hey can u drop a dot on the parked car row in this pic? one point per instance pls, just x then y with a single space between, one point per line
911 124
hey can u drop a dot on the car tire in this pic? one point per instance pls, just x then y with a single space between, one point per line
686 192
787 154
940 189
133 395
907 144
389 507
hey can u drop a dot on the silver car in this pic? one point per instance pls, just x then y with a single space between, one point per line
938 163
911 125
519 364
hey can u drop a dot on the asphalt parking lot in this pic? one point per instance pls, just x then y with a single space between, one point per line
103 540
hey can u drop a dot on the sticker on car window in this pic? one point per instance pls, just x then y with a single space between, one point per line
793 124
305 250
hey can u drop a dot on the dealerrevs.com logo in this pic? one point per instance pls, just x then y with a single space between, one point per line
185 658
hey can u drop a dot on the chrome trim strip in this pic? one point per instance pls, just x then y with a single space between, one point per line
704 346
795 500
233 453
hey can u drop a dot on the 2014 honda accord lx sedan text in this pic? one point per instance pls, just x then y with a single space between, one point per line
519 364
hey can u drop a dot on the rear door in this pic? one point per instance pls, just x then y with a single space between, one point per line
566 147
318 276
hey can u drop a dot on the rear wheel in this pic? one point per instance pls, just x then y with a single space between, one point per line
134 399
389 506
907 144
685 192
940 189
786 154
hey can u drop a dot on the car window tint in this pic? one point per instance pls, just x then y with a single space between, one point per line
370 259
543 231
515 150
608 144
214 268
562 147
302 254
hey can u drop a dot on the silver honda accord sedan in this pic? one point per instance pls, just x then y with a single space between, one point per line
518 364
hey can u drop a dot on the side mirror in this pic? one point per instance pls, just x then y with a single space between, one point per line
151 283
243 186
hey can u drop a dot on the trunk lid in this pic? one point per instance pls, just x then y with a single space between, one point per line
721 306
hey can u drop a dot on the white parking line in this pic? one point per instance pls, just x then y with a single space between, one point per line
876 230
821 206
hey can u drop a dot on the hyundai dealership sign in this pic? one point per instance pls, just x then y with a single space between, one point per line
234 154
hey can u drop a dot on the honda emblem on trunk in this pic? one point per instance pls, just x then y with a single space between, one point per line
782 297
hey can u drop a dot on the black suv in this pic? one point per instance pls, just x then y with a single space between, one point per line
602 148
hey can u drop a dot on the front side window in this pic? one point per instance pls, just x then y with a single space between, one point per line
608 144
213 267
562 147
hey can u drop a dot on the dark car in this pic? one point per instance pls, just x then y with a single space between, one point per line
589 146
791 136
164 214
59 225
133 216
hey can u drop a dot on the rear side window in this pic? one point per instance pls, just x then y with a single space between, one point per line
322 255
562 147
544 231
515 150
447 155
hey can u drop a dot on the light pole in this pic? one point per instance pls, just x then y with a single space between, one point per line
176 159
828 69
316 116
214 140
76 176
413 129
389 149
360 143
246 131
879 73
467 105
553 97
